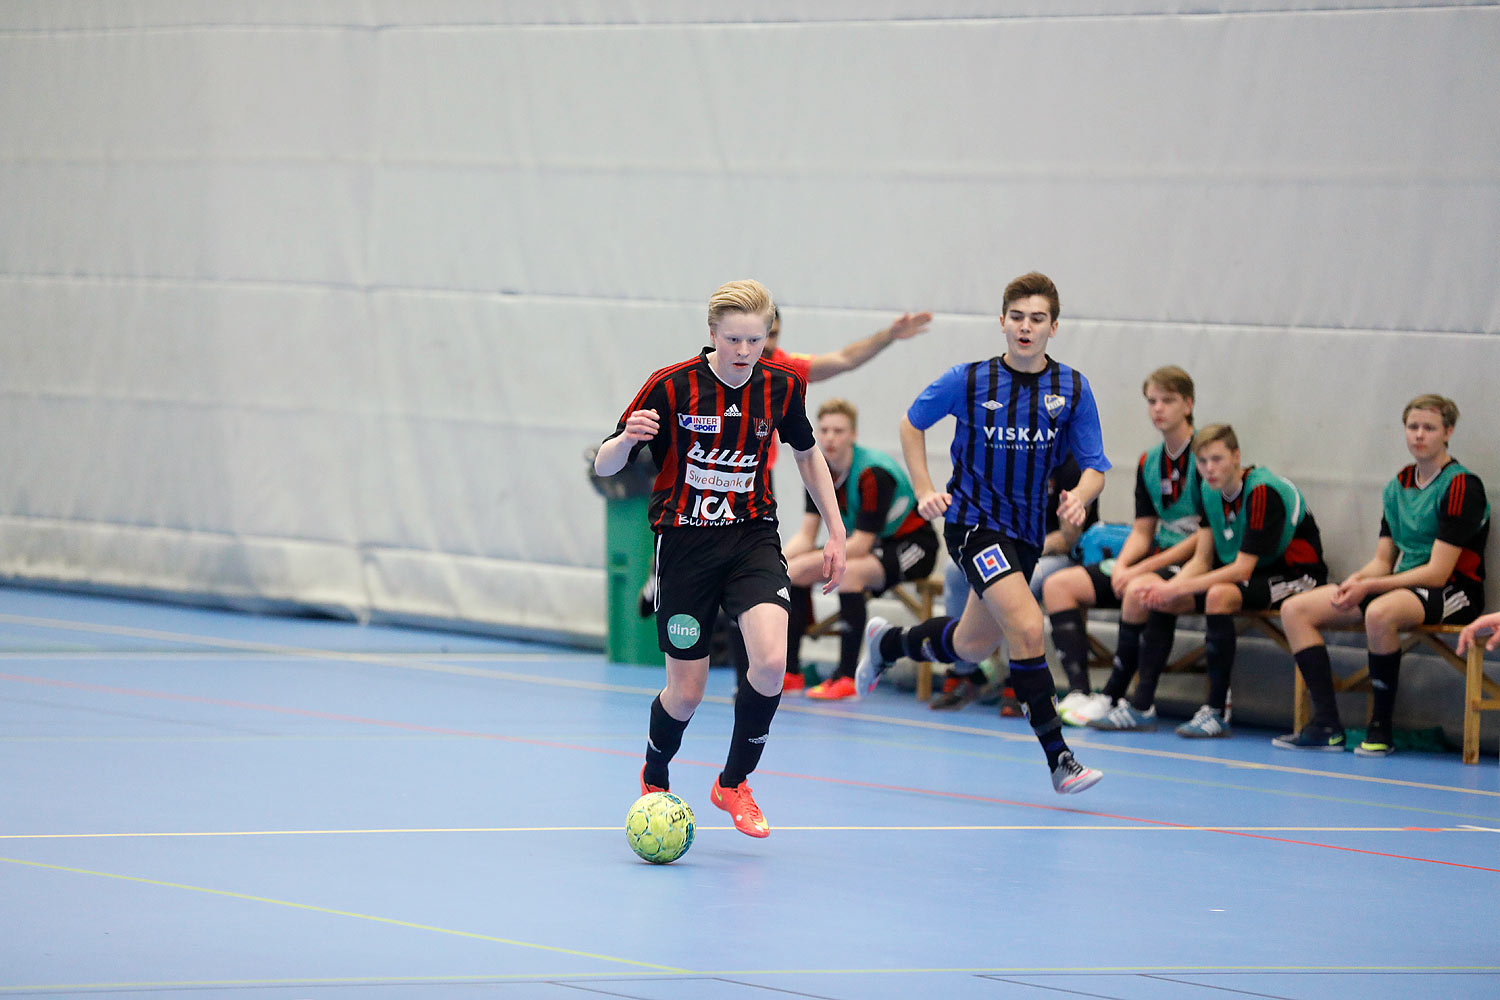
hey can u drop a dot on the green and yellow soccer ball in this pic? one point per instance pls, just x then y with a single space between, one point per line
660 827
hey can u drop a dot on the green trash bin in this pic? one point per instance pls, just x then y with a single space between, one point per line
629 543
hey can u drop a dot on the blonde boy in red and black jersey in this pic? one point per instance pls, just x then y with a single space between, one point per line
1428 569
709 423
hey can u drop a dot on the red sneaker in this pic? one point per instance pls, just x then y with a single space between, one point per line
739 803
833 689
645 788
792 682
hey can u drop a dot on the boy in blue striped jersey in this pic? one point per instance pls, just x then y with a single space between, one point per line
1017 417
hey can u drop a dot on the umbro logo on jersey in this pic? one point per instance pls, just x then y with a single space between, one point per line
733 411
993 404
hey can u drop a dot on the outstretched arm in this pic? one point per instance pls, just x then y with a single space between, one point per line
853 355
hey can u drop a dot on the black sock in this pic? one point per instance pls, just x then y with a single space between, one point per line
930 640
1036 692
1156 646
854 614
1220 641
665 737
753 712
738 654
1317 674
798 618
1385 670
1072 644
1127 660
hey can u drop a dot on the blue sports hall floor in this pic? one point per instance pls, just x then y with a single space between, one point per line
203 803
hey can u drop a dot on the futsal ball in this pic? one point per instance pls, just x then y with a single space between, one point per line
659 827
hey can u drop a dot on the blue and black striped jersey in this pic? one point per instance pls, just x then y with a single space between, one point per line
1013 429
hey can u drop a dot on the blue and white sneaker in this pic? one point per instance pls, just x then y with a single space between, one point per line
1205 724
1125 716
871 666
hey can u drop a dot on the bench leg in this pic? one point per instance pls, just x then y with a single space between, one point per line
1473 694
1301 702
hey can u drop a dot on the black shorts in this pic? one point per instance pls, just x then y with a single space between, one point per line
701 569
1104 588
910 557
988 556
1449 605
1266 591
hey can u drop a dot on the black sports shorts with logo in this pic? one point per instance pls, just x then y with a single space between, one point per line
1267 591
988 556
1451 604
910 557
701 569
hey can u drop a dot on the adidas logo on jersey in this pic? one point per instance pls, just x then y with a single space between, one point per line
783 594
733 411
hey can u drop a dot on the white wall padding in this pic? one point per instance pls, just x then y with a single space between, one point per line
320 302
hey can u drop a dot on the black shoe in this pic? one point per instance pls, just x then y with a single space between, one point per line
1378 741
1312 737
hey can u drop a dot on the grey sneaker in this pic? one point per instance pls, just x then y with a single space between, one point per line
1125 716
1070 777
1206 723
871 666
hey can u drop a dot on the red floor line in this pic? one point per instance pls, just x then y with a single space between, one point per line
445 731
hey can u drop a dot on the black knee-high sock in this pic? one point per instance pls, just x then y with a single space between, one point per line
662 743
738 654
854 614
1317 674
1036 692
753 712
1219 641
929 640
1072 644
798 617
1156 646
1127 660
1385 670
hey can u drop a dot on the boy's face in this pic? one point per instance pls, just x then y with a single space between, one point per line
1028 325
738 342
1426 437
1168 410
836 439
1218 465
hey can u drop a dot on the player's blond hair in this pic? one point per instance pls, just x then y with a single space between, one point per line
1445 407
842 406
745 296
1216 432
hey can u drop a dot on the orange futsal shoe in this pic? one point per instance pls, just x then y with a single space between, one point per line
833 689
645 788
740 805
792 682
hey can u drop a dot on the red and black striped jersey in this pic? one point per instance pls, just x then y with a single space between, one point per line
713 450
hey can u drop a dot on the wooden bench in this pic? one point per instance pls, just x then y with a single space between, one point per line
1437 637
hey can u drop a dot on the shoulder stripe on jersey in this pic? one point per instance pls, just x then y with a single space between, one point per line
656 377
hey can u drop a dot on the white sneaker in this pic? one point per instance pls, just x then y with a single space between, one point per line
1079 709
871 666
